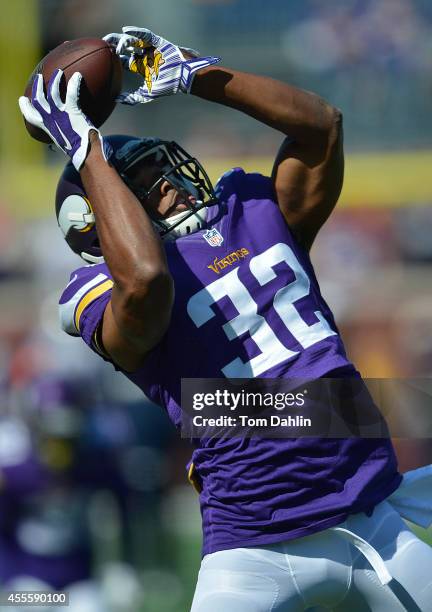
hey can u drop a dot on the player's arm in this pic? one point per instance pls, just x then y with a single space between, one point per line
139 311
308 170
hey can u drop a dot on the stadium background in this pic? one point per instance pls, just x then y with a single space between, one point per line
90 474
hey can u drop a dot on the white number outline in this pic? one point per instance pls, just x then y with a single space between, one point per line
248 320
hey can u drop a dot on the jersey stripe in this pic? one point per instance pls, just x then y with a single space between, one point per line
194 479
67 309
89 298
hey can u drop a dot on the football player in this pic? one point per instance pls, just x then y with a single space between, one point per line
190 281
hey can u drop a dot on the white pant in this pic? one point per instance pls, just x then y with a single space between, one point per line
325 571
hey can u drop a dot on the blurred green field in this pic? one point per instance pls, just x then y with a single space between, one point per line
424 534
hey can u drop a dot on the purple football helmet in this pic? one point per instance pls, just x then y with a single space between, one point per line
185 173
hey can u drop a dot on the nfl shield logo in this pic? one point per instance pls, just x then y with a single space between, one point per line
213 237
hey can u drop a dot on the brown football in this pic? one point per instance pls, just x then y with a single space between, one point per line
102 72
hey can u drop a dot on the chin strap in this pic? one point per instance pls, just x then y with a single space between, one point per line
182 224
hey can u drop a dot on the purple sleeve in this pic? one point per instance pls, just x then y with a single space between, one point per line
90 320
83 302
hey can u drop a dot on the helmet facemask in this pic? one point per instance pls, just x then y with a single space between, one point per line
184 173
128 155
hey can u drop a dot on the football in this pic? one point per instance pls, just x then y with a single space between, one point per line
102 78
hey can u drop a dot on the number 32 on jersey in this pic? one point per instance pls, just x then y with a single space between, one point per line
248 320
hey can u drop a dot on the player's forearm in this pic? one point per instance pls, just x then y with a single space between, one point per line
300 114
132 249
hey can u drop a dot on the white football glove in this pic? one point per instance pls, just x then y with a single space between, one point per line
165 74
64 122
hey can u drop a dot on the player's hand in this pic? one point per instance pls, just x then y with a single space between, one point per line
162 64
64 122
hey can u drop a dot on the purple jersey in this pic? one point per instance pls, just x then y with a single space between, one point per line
247 304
